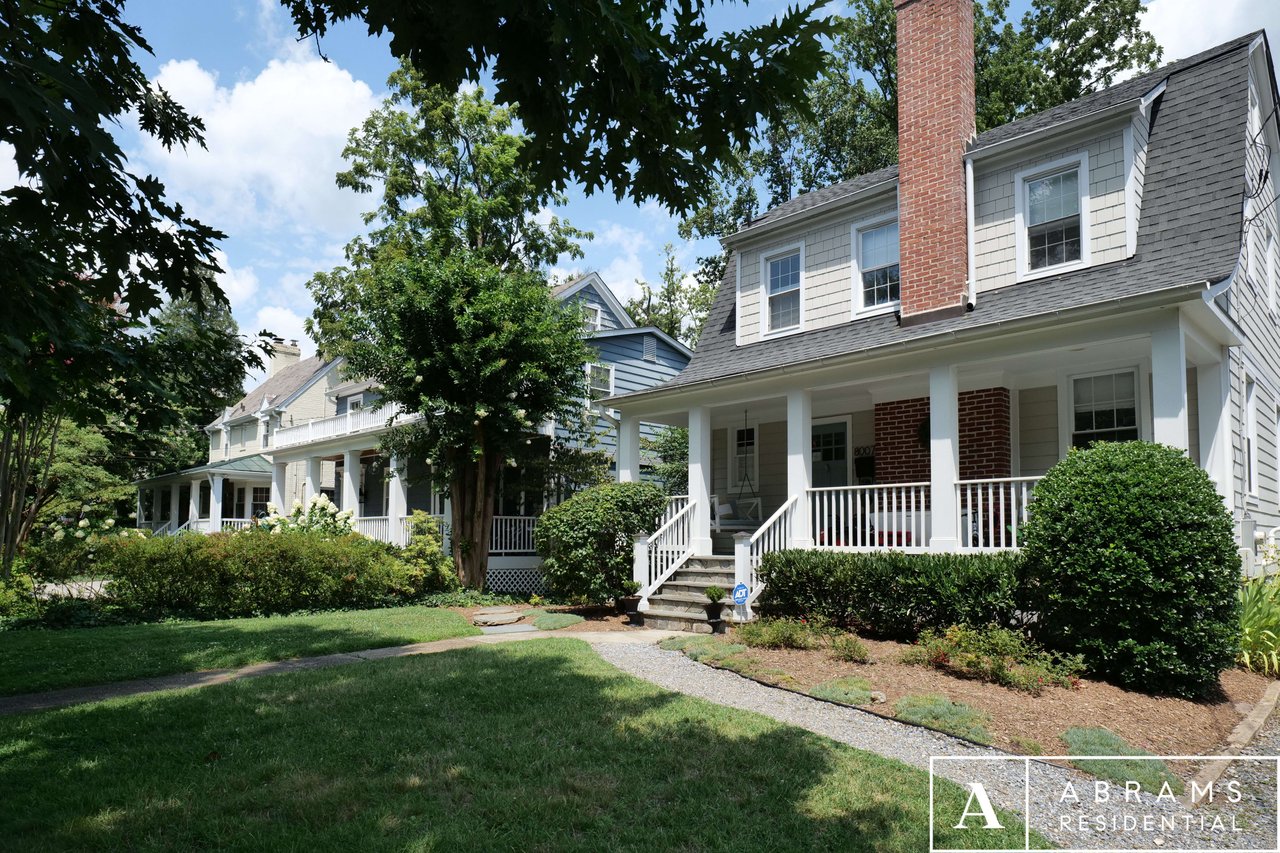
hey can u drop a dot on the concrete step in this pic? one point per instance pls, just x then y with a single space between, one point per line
680 602
704 577
675 620
695 587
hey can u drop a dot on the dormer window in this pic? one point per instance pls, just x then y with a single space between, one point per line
877 264
1053 217
591 318
782 274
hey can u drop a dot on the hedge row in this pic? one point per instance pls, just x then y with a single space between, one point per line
891 594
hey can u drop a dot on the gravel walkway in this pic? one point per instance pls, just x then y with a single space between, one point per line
1005 781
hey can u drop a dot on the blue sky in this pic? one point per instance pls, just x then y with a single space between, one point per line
277 116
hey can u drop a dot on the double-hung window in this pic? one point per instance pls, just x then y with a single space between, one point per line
591 320
878 282
1053 229
743 459
599 381
783 291
1104 408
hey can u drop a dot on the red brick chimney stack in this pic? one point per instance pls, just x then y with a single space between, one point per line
936 106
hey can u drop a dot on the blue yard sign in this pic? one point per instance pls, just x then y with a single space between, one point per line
740 593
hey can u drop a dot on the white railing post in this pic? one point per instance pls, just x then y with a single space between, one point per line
640 559
742 572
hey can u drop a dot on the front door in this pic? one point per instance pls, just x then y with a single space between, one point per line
830 455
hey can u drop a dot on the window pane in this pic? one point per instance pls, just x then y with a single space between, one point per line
1053 243
1054 197
1104 408
784 274
880 246
784 310
880 287
1084 390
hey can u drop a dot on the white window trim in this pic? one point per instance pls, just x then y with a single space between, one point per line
734 482
737 290
1067 399
587 371
1251 436
855 237
1040 170
765 258
594 318
847 420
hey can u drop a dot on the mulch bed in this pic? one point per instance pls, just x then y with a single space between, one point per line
1160 725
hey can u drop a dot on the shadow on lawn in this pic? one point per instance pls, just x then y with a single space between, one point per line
531 746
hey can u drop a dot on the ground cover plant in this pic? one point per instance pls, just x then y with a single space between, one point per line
938 712
538 746
779 633
850 690
890 594
1129 560
42 659
1151 773
556 621
995 654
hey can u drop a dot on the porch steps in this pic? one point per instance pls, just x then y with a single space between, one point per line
678 605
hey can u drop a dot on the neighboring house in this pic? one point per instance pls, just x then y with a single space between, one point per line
893 361
307 429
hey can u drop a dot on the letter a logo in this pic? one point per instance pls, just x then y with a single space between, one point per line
984 811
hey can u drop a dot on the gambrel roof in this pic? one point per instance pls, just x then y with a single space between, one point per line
1189 231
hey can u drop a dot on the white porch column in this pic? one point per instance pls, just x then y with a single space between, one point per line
313 478
215 502
351 482
1169 383
700 478
155 506
279 472
1213 387
174 509
397 500
944 457
138 520
194 505
800 463
629 449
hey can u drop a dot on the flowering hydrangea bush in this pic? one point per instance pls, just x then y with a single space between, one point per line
319 515
67 548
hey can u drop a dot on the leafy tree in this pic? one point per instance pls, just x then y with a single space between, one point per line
638 94
677 306
80 231
84 477
445 305
1058 51
668 453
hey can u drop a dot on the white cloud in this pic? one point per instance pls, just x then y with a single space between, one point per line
273 145
1183 27
238 283
284 323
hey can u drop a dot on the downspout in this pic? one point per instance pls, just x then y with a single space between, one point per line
972 297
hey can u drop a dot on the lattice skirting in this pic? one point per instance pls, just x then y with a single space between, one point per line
524 581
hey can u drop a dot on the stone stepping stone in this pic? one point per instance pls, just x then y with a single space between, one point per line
496 616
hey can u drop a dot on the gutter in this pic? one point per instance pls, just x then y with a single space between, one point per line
1106 307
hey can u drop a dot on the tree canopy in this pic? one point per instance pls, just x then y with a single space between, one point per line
446 305
678 305
639 95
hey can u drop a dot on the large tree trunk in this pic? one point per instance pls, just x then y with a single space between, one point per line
473 491
25 442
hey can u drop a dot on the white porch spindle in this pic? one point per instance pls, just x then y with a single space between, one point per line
869 517
994 512
313 478
944 456
700 465
279 471
1169 383
215 502
351 482
629 449
800 463
1213 382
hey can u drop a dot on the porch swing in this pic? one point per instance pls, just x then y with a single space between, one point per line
743 511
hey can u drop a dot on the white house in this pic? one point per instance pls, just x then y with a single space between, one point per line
893 361
308 429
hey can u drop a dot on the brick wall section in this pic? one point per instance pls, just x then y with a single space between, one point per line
935 121
984 438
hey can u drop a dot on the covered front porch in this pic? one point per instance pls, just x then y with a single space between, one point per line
932 451
224 495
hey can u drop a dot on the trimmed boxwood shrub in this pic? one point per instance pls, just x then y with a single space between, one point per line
251 574
586 542
1130 561
890 594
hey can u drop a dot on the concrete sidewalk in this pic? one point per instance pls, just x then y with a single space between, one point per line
28 702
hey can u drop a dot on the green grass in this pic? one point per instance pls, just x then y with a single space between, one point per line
36 660
850 690
556 621
939 712
1151 774
537 746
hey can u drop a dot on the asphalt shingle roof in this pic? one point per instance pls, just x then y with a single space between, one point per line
283 384
1189 230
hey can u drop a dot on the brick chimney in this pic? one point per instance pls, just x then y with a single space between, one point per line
282 355
935 121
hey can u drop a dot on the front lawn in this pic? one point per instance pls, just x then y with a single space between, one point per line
34 660
537 746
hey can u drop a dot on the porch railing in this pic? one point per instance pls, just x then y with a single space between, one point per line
894 515
993 512
233 524
748 551
656 557
512 535
360 420
375 527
